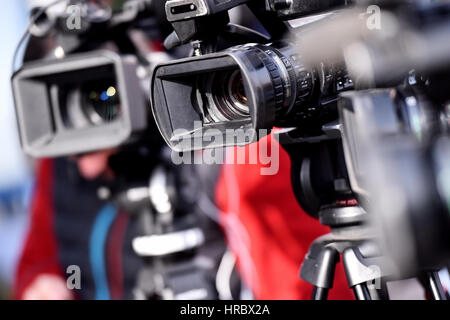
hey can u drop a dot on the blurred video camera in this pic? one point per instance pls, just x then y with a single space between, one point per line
81 88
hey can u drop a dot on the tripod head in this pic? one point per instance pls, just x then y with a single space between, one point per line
319 175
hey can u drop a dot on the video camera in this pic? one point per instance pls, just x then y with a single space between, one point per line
249 86
343 90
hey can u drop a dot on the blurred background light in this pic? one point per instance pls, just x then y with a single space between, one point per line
15 177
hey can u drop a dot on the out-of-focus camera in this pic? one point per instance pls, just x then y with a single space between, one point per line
81 87
82 103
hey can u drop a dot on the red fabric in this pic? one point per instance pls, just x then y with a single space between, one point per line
268 231
40 254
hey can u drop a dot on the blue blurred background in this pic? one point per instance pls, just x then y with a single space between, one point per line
15 169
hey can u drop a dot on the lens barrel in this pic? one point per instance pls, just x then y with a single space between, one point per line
304 97
225 96
290 84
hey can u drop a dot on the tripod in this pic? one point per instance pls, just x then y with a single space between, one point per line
350 240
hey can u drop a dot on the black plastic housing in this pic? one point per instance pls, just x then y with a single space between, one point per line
41 126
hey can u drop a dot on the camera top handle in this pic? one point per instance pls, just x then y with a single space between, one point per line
207 19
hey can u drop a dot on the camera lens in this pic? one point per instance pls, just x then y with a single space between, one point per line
226 97
101 102
236 90
93 103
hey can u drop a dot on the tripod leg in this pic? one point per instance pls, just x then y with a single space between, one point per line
320 293
318 269
383 292
380 293
434 286
361 292
365 280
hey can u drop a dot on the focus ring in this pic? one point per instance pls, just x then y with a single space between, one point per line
277 82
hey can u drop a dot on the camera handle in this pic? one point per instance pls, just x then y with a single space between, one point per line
209 32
